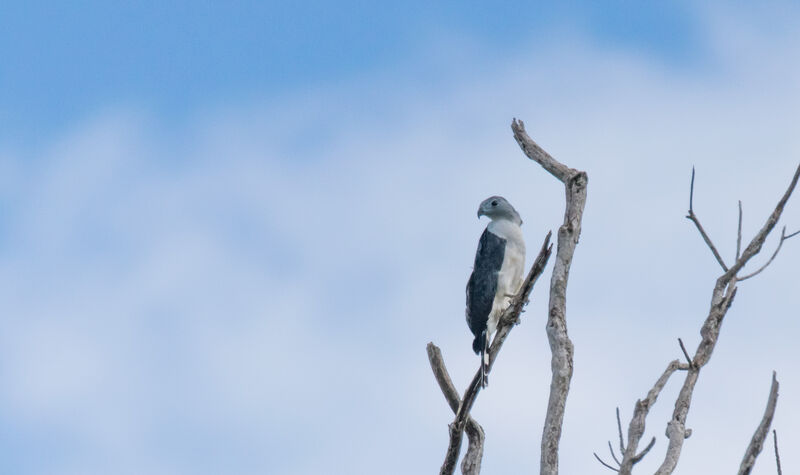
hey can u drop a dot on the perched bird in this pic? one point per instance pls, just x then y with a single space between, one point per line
496 275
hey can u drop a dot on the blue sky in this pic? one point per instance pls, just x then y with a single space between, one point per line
227 233
62 62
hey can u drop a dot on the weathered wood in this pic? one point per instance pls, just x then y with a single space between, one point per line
560 345
721 300
475 435
640 411
757 442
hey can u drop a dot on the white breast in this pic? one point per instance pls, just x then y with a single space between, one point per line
511 271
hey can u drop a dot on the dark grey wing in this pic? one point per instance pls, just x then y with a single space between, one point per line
482 283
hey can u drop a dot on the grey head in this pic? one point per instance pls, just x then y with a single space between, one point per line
497 207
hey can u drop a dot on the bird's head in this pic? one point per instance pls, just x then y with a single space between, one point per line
497 207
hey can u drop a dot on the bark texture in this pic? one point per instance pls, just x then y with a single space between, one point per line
561 347
757 442
637 424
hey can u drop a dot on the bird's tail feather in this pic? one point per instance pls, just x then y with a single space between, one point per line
481 346
485 360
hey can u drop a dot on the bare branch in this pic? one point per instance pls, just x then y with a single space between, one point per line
561 347
475 435
507 320
604 464
739 233
685 353
758 240
757 442
777 456
641 455
637 425
784 237
471 464
721 299
536 153
699 226
676 428
613 455
619 431
443 377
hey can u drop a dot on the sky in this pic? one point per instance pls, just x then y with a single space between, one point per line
227 232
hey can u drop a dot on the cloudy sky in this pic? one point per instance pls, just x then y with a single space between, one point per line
227 232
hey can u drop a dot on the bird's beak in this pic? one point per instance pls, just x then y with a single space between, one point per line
480 213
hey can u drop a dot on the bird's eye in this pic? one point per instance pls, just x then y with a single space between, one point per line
494 203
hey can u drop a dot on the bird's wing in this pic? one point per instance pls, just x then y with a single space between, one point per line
482 284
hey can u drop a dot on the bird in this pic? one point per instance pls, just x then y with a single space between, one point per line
496 275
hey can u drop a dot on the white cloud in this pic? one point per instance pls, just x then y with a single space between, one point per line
258 290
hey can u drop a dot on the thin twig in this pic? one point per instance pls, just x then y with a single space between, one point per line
691 216
604 464
619 430
758 240
641 455
784 237
757 442
739 233
613 455
506 321
777 456
685 353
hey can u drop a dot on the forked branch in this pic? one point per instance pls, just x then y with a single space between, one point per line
699 226
560 345
475 435
637 424
784 237
721 300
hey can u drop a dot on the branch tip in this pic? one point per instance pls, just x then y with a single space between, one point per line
604 464
777 456
686 354
739 233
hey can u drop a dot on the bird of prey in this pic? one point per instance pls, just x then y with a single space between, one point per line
496 275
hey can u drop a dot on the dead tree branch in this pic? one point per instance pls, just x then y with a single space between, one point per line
637 424
755 244
475 434
739 233
560 345
757 442
777 456
508 319
772 258
699 226
685 353
605 464
721 300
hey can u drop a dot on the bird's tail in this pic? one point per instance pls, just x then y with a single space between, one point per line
485 359
481 346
